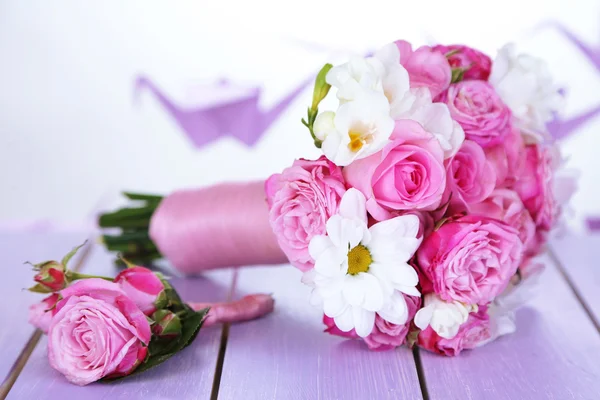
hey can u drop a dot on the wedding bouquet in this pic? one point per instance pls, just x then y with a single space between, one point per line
437 187
109 328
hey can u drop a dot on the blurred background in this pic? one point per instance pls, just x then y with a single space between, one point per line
98 97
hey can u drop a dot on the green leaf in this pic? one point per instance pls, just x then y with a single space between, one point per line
39 289
459 73
161 350
145 197
70 254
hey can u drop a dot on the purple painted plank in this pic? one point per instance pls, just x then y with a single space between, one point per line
553 355
16 248
188 375
578 255
288 356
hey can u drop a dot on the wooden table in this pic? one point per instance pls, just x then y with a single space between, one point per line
555 354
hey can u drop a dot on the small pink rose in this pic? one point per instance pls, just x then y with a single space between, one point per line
476 106
302 198
505 205
40 314
97 332
408 174
426 67
470 259
471 178
387 336
470 334
535 186
478 65
143 287
507 158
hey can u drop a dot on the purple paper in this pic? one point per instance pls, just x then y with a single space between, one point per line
227 109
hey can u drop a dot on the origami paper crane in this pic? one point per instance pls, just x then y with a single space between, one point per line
225 109
561 128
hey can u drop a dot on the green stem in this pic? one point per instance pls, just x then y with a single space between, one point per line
73 276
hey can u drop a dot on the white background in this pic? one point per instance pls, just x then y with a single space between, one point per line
71 135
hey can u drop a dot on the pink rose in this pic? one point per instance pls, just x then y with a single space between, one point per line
478 65
470 259
535 186
426 67
476 106
408 174
507 158
471 178
97 332
40 314
143 287
470 334
505 205
385 335
301 199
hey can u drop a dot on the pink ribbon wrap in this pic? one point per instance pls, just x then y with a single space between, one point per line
226 225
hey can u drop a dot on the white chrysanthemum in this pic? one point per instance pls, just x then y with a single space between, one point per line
445 318
360 271
525 85
358 129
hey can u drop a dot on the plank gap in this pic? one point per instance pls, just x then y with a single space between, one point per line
563 271
223 345
34 339
420 373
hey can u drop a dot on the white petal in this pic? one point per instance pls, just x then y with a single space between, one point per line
331 145
409 290
389 55
317 245
324 124
335 230
363 321
315 299
373 292
353 205
334 306
423 317
329 263
395 310
345 321
308 277
395 240
354 290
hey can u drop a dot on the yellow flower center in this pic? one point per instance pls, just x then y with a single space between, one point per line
359 260
358 139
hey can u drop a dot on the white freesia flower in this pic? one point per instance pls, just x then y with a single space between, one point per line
525 85
445 318
381 73
436 118
360 271
358 129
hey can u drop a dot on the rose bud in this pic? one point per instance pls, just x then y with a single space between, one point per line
51 276
144 287
40 314
167 324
